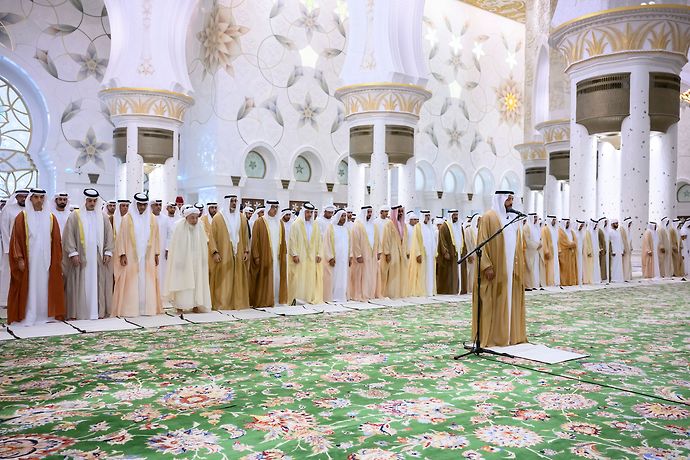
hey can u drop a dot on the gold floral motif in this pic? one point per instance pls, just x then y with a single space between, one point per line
390 98
554 131
601 35
513 9
509 101
685 97
151 103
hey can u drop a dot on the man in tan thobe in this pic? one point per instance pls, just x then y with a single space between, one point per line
650 252
447 257
87 247
366 253
532 236
230 275
137 288
674 240
627 248
502 319
665 263
395 255
549 249
567 254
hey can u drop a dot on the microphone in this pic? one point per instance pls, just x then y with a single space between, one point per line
515 211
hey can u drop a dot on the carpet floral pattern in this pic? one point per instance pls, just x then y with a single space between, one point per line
368 385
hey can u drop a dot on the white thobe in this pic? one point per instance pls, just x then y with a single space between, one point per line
62 217
616 261
553 230
429 240
342 258
7 217
273 225
39 250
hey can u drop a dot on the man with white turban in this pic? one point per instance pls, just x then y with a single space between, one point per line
532 235
603 230
411 219
366 253
87 248
60 207
650 252
567 254
16 203
268 256
665 259
229 277
305 272
336 250
422 278
674 241
137 250
593 231
502 320
187 283
36 293
581 240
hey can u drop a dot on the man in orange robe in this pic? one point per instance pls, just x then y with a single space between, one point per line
36 289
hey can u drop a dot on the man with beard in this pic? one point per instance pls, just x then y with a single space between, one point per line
16 203
449 250
60 207
366 253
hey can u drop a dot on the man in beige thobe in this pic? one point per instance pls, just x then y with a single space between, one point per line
366 253
394 255
137 288
87 248
305 273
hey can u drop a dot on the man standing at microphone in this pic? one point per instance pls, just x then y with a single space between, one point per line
502 294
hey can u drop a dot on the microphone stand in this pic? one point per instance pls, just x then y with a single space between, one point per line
476 348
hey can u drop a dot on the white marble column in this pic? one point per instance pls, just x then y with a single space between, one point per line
528 202
635 154
609 184
552 196
663 174
170 168
379 167
134 179
356 188
407 193
583 165
565 198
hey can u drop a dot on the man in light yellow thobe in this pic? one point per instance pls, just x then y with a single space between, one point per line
395 255
422 264
305 273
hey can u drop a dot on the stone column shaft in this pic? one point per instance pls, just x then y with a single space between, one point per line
662 178
635 154
134 177
379 167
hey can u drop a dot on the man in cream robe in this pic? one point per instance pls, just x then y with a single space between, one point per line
447 257
567 254
470 240
230 276
580 231
502 320
650 252
532 235
268 256
36 293
626 236
60 207
422 264
187 283
87 248
665 262
587 254
411 219
137 289
593 229
685 247
324 222
288 218
336 259
164 231
305 273
616 250
16 203
394 255
549 248
365 253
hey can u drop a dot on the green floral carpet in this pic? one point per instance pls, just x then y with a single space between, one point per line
368 385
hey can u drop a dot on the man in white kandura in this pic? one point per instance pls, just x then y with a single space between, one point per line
187 281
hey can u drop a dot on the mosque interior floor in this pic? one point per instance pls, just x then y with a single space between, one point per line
372 384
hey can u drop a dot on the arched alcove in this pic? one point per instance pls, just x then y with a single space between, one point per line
454 179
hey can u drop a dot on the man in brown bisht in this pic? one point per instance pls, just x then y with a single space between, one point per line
665 265
447 278
567 254
602 230
502 292
676 257
627 248
87 246
366 253
268 257
37 293
230 276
